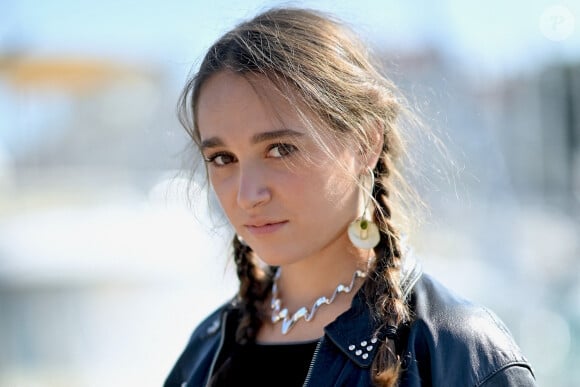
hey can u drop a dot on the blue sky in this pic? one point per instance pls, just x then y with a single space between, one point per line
489 34
495 38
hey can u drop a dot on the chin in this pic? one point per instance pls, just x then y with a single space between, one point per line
275 258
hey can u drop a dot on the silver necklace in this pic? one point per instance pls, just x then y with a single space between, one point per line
279 314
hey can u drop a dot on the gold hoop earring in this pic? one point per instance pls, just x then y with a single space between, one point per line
363 232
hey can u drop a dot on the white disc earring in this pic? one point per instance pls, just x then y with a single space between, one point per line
363 232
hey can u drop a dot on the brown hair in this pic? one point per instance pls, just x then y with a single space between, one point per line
331 73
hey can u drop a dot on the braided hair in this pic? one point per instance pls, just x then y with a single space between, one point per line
382 288
334 82
255 285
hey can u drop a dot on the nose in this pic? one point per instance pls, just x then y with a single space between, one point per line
253 190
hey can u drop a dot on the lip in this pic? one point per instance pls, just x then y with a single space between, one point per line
263 228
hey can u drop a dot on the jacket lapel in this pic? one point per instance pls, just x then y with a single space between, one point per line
353 331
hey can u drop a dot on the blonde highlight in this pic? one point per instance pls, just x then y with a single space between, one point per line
328 76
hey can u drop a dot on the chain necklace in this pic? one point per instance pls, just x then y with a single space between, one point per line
279 314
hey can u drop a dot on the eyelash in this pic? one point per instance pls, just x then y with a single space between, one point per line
212 158
288 149
284 150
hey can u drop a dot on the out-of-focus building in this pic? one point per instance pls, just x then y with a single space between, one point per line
504 194
104 271
97 246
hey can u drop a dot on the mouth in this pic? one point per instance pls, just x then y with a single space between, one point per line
262 228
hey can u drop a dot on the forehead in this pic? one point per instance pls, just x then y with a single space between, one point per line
228 100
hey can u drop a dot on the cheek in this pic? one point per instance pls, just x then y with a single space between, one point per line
339 185
337 193
222 188
339 175
344 200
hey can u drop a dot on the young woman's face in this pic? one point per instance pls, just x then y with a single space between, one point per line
286 197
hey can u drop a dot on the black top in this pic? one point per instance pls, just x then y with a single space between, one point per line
449 343
281 365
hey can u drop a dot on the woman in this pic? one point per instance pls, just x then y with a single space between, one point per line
299 134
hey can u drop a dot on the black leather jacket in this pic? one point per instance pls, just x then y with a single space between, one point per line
450 342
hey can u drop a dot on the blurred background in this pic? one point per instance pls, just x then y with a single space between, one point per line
105 268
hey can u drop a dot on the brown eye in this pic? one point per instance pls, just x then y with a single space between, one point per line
281 150
220 159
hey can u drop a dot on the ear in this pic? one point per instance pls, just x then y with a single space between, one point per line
373 153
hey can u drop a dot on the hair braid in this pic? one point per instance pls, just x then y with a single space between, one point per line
383 287
338 92
255 285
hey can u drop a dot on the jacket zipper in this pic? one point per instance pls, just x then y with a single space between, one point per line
217 353
314 356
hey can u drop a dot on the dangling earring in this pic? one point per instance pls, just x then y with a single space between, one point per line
363 232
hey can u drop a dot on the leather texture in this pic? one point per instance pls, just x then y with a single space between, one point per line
450 343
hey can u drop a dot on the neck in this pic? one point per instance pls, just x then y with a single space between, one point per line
281 314
303 282
299 286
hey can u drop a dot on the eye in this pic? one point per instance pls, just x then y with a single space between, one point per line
220 159
281 150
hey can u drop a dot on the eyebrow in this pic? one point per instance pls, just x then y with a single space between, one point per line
214 142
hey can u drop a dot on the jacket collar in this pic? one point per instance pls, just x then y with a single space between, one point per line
353 331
